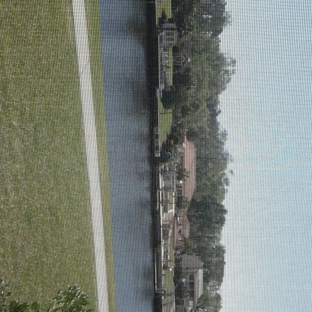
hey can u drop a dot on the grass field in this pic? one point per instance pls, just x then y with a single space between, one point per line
163 5
45 220
168 280
93 10
164 115
164 121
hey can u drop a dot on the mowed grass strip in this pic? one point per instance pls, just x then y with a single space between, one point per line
92 8
164 115
46 239
168 300
163 5
164 121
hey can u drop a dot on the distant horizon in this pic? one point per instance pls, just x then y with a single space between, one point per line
266 111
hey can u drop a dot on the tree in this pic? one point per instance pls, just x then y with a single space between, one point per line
196 110
71 300
210 302
203 300
168 97
181 291
9 304
182 202
182 173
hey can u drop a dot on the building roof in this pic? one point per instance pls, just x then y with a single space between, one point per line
191 262
189 163
198 285
185 224
168 25
185 227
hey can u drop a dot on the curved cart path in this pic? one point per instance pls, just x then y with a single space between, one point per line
82 46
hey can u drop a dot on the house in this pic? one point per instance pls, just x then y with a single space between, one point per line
192 269
187 160
168 35
167 38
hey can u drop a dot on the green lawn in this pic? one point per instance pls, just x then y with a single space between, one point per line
46 239
92 7
169 286
168 275
164 121
163 5
165 115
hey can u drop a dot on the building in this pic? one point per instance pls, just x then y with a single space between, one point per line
187 160
168 35
192 269
167 38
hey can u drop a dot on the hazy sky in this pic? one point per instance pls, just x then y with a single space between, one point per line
266 111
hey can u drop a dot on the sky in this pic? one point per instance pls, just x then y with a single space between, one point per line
266 110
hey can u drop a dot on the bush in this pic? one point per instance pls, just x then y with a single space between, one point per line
168 97
70 300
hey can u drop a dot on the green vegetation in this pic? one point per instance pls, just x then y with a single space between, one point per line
46 233
168 284
164 121
92 7
70 300
163 6
195 111
168 280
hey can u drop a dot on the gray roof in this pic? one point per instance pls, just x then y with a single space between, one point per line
199 283
191 262
186 46
193 265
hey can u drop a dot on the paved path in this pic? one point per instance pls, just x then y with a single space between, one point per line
82 46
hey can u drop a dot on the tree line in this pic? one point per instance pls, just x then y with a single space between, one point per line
196 108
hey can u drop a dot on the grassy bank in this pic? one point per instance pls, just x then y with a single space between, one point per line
46 234
92 7
163 5
164 115
168 300
164 121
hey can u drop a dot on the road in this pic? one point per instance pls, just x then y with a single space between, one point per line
82 46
